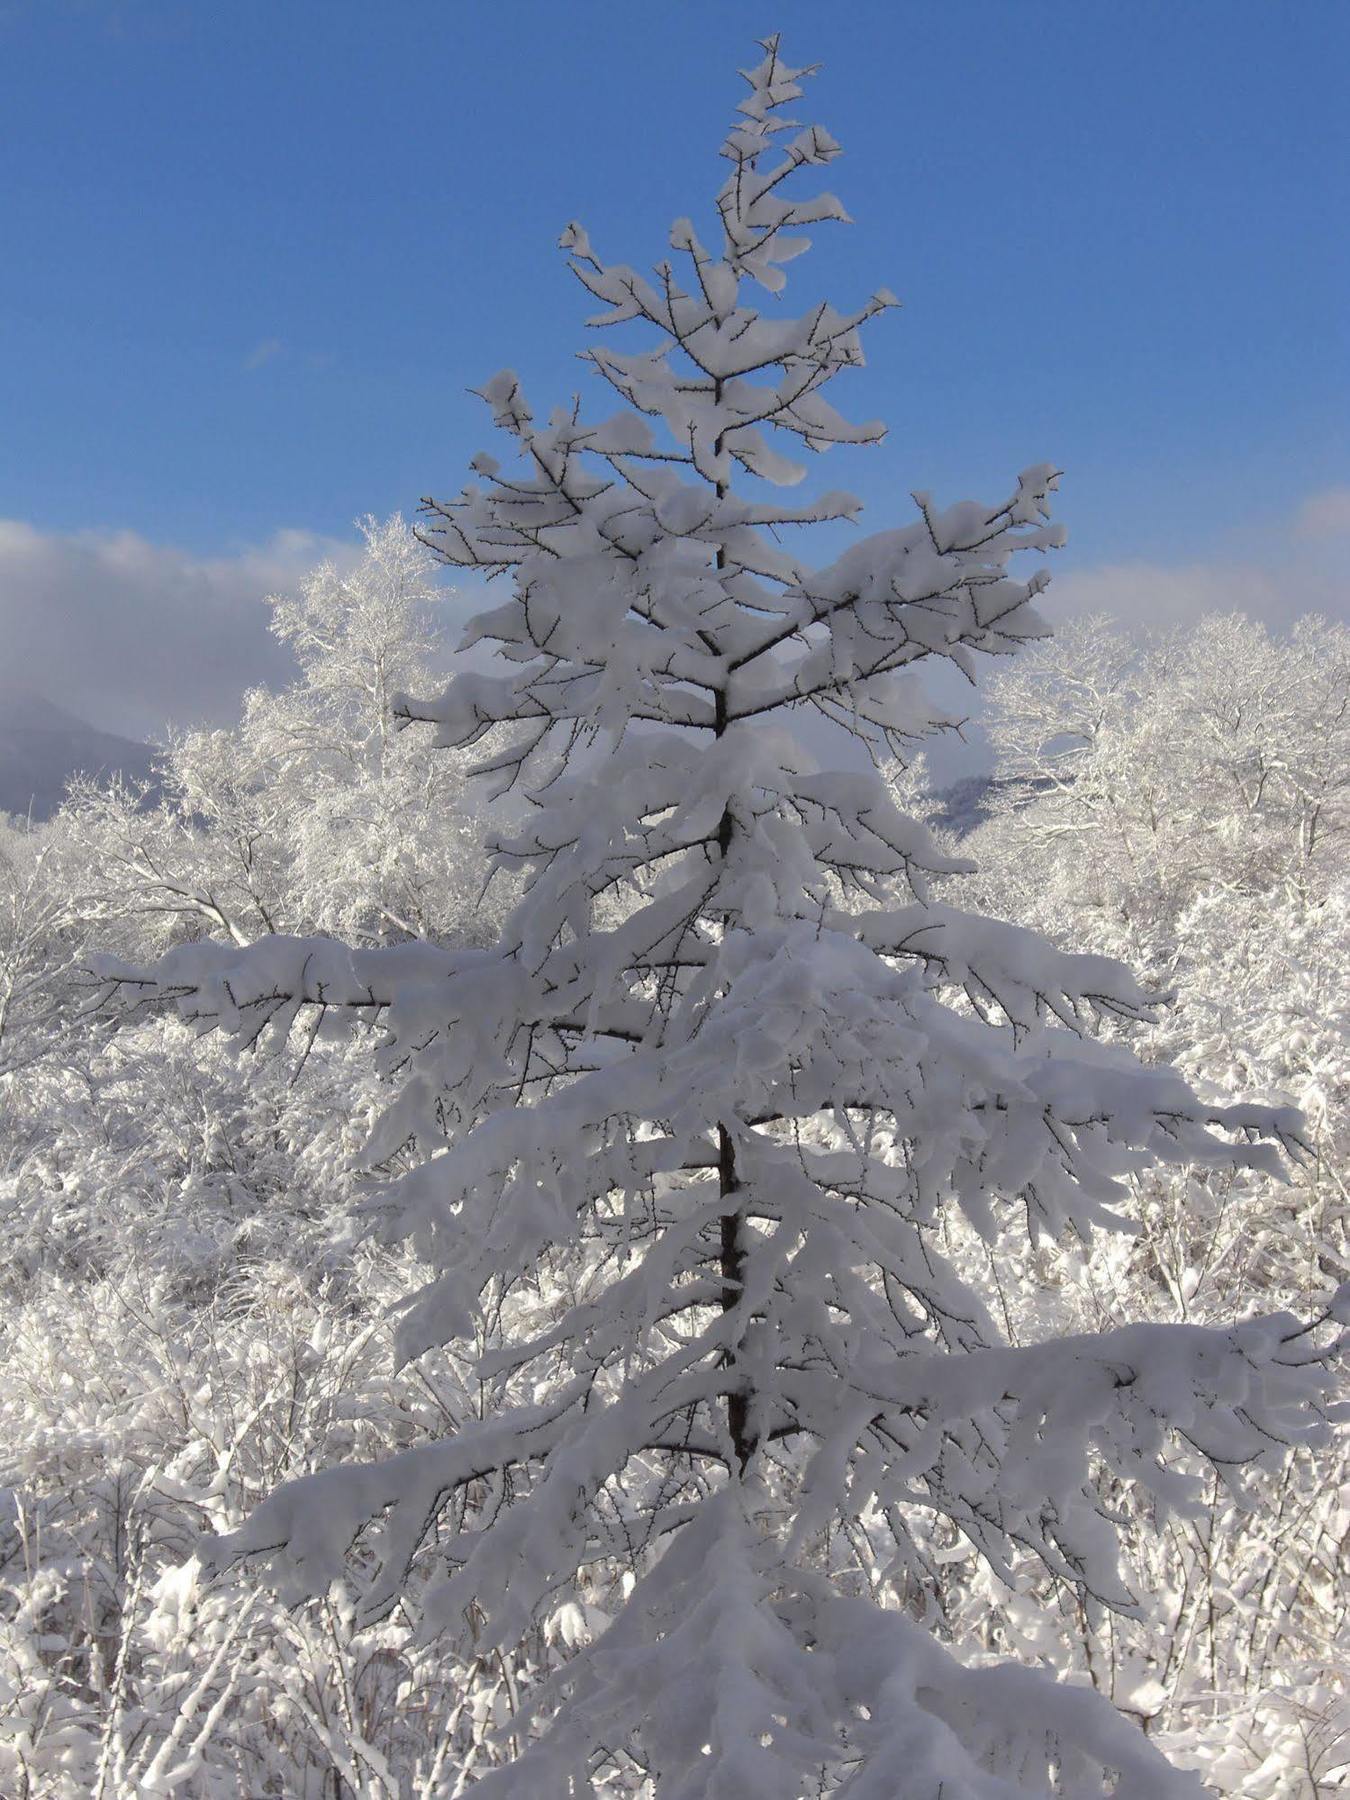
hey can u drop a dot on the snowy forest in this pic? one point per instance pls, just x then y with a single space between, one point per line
590 1231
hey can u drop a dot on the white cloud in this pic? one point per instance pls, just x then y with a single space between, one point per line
1284 573
1154 596
1277 573
263 353
1324 515
134 636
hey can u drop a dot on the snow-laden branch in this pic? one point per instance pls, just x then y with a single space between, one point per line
735 1644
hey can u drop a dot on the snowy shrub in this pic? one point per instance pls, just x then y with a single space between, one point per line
131 1420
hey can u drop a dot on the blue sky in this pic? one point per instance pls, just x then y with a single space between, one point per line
256 253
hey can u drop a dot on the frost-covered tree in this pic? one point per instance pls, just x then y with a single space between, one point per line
1181 800
40 948
382 844
696 1150
314 813
1214 757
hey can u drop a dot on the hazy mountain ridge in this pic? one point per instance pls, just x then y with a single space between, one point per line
43 747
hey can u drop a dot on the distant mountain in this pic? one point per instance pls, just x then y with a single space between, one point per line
42 747
966 805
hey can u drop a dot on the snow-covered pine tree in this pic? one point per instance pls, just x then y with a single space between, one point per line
708 1136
